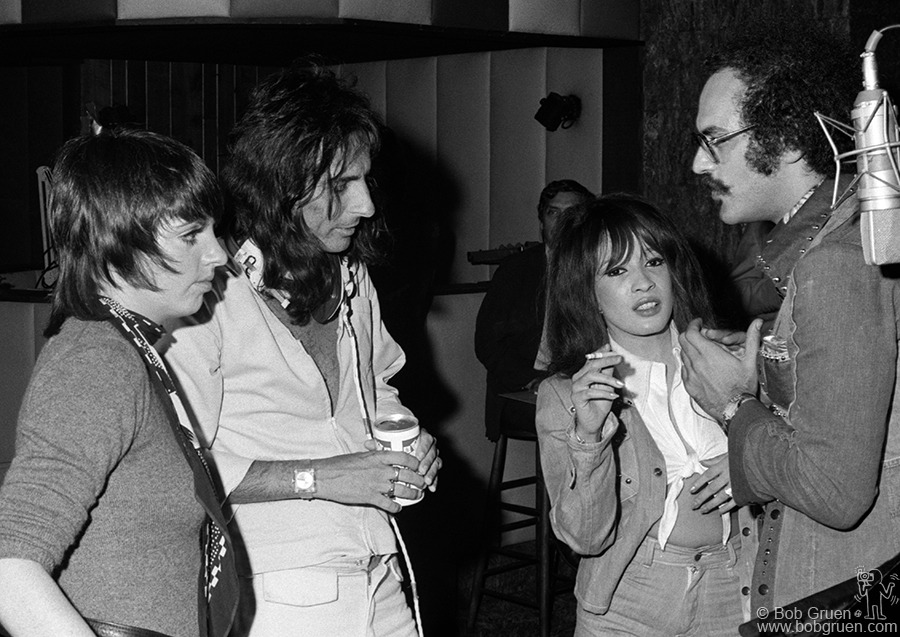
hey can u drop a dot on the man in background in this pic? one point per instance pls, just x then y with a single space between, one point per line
815 436
511 318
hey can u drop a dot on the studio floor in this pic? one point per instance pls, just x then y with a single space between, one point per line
500 618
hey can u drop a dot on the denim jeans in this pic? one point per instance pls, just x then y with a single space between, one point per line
679 591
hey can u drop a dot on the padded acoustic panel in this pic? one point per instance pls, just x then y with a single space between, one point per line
152 9
576 152
371 79
284 8
10 12
611 19
518 145
475 157
411 103
404 11
489 15
464 168
560 17
594 18
43 11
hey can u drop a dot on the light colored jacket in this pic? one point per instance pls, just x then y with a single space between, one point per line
257 394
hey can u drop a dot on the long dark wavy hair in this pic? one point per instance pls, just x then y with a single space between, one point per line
299 122
619 224
111 194
791 72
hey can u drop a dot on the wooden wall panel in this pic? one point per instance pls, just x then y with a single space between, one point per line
118 82
96 83
225 115
187 104
518 145
576 152
136 90
17 179
158 102
210 116
245 78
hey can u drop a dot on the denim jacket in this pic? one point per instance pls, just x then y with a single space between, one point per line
605 496
823 452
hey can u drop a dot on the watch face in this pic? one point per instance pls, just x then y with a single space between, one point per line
304 480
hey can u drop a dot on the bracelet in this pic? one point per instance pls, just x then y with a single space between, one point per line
731 407
577 437
575 426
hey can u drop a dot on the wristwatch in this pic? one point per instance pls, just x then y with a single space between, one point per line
304 482
731 408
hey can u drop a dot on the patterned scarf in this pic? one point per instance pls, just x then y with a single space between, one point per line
219 585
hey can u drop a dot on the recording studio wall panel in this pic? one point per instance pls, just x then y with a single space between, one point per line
518 144
371 79
411 104
545 16
577 152
464 160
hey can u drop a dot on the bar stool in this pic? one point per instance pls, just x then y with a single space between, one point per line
517 423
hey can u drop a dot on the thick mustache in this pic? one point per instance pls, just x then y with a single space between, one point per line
714 185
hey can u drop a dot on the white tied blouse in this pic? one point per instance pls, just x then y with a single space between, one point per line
683 432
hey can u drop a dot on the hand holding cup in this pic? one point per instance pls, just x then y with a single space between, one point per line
398 432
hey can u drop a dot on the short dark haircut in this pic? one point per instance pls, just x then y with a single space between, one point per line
555 187
111 194
791 71
299 121
624 222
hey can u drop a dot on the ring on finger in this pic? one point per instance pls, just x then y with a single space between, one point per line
396 476
390 492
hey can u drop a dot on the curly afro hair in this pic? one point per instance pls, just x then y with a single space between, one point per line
791 72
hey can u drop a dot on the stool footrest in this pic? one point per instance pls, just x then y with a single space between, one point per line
518 508
518 482
518 524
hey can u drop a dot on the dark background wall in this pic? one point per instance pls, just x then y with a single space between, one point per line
677 35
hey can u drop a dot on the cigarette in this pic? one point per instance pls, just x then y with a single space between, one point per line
593 356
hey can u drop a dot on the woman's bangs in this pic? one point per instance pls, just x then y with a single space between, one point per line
617 246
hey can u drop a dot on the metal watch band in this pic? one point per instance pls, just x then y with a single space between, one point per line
731 408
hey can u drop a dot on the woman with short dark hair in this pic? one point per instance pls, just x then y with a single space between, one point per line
100 526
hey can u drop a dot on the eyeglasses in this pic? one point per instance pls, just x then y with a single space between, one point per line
709 144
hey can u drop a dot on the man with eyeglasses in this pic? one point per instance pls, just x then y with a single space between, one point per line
813 433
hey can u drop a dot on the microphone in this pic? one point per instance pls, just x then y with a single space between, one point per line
877 141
